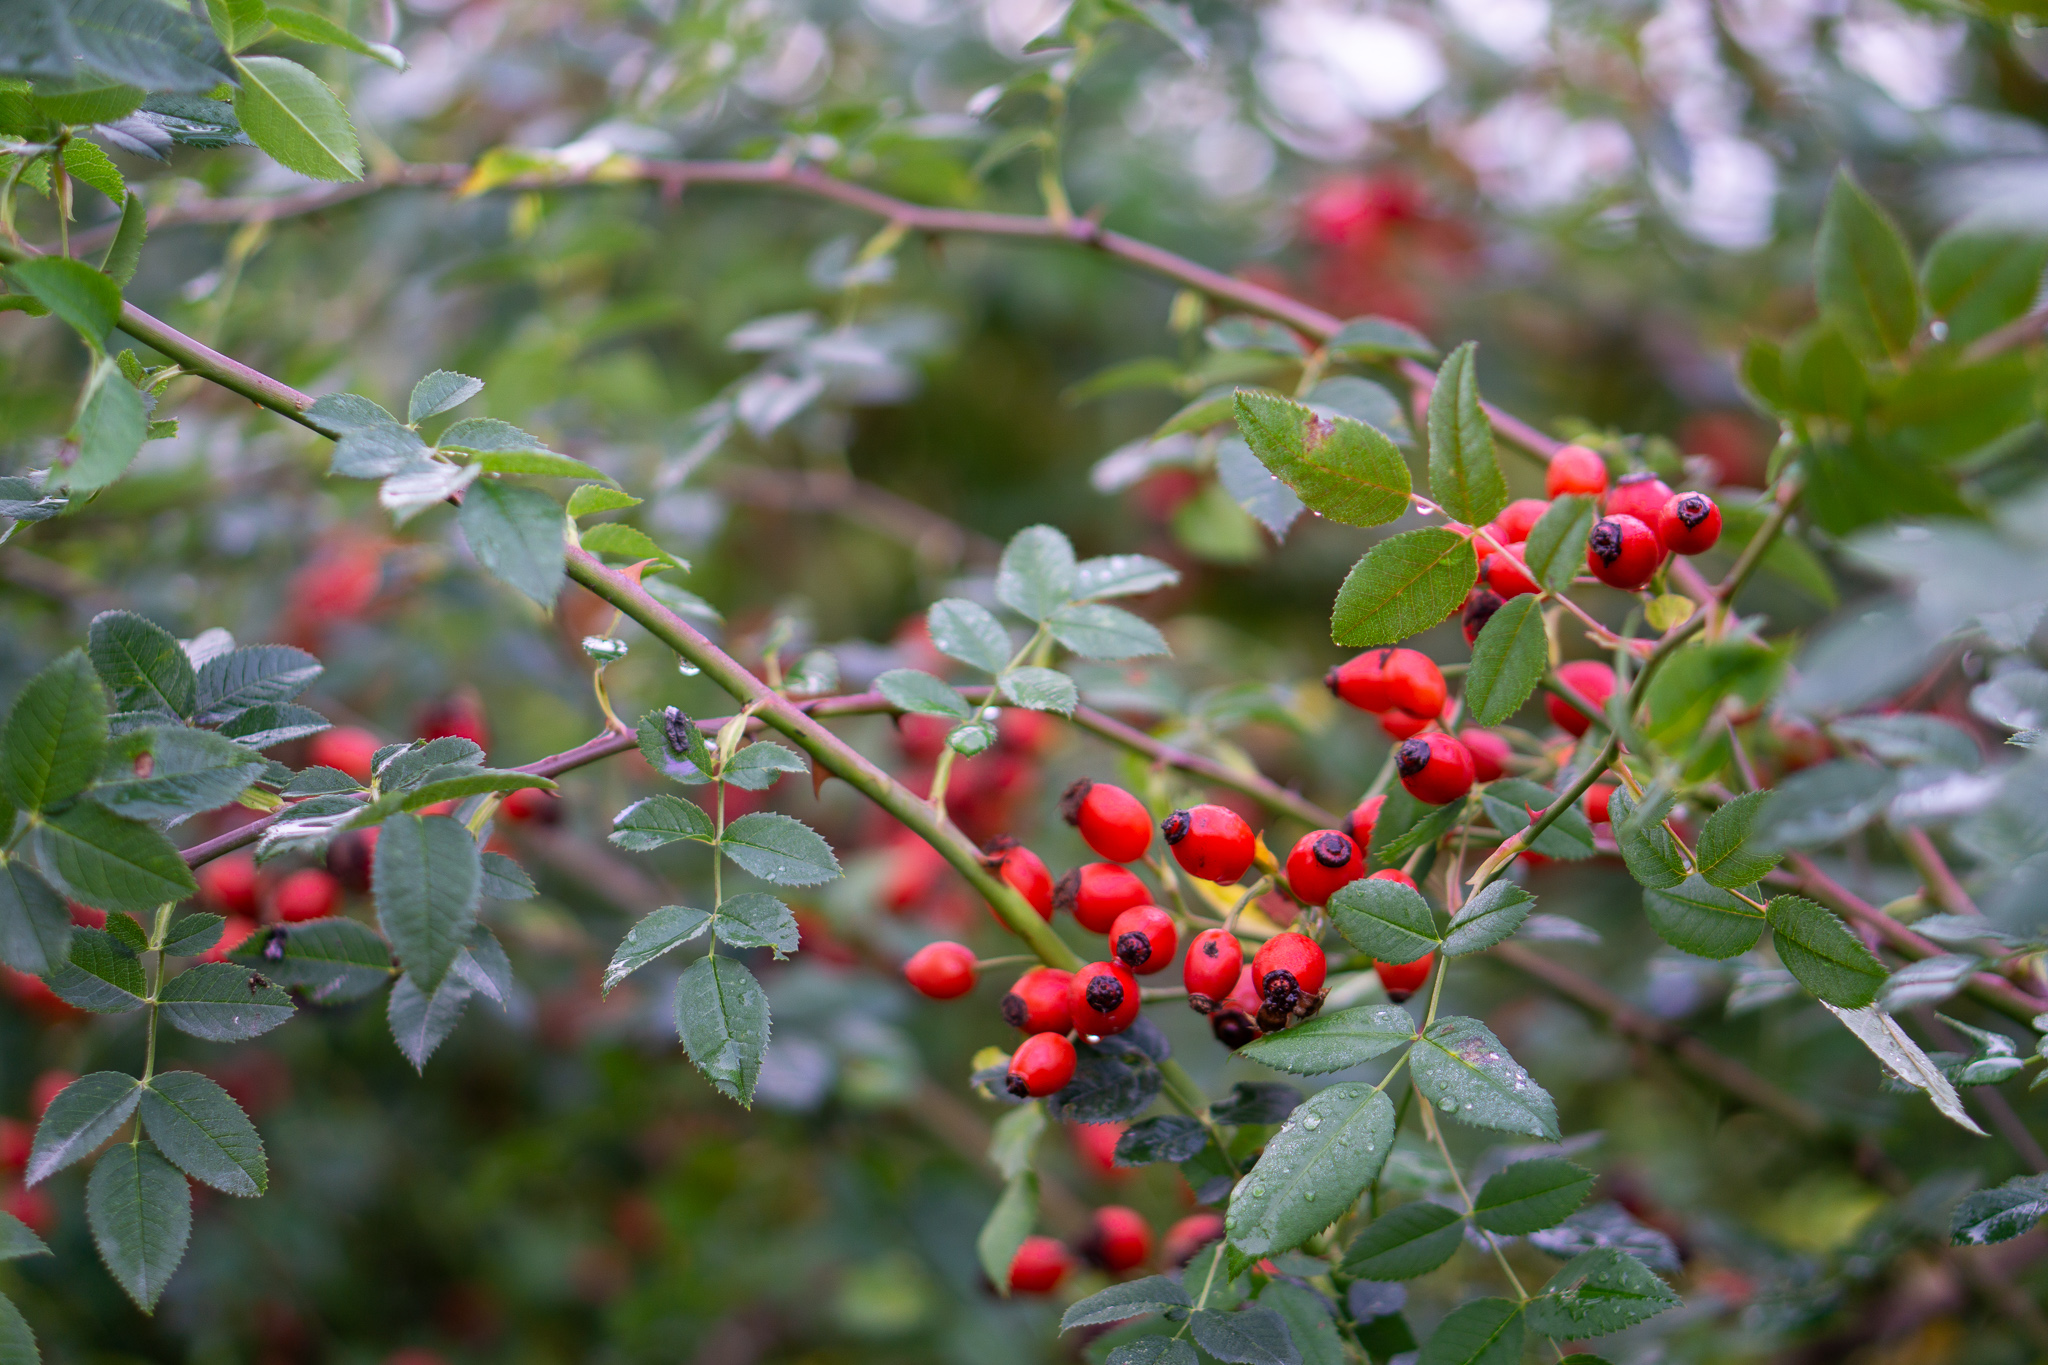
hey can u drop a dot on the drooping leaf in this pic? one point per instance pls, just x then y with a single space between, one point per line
1647 847
1482 1332
1403 585
291 114
1368 338
1508 660
2001 1213
1154 1351
55 732
1311 1325
722 1018
108 431
1341 469
1114 1081
1121 576
140 1211
1818 948
113 863
1821 804
419 1022
1329 1150
1700 918
223 1003
84 1114
516 533
1531 1195
660 932
202 1131
780 849
272 723
1863 274
1464 475
1013 1140
1256 1102
1488 918
1384 919
141 665
1904 1060
1409 1241
426 881
1605 1290
1461 1068
18 1241
318 28
1164 1137
1334 1042
149 45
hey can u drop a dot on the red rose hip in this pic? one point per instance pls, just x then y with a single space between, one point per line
1479 609
1038 1002
1096 893
1321 861
306 894
1119 1239
1623 552
1515 521
1041 1065
1039 1266
1575 469
942 970
1435 769
229 884
1589 678
1102 998
1114 822
1387 679
1689 524
1403 979
1394 874
1287 967
1490 754
1363 817
1214 961
1597 797
1024 870
1641 495
1144 939
1210 842
1508 575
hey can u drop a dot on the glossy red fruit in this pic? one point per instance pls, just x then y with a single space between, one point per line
1403 979
941 970
1402 725
1592 680
1119 1239
1490 754
1114 822
229 884
1479 609
1037 1003
1210 842
1435 769
1213 965
1144 939
306 894
1189 1236
1623 552
1102 998
1641 495
1024 870
1389 679
1689 524
1394 874
1321 861
1287 967
532 806
1575 469
1041 1065
1363 817
1515 521
346 748
1038 1267
1597 797
1096 893
1508 575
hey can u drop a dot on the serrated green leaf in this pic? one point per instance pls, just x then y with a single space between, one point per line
1368 338
1601 1291
1482 1332
1403 585
54 736
191 935
1154 1351
223 1003
1464 475
1488 918
402 767
1342 469
1700 918
620 541
757 767
1862 272
452 783
272 723
108 431
1326 1152
909 690
516 533
1310 1324
18 1241
84 1114
1384 919
779 849
1094 630
1508 660
188 771
376 450
1556 550
318 28
1249 1336
673 746
658 820
202 1131
1531 1195
591 498
113 863
1120 1302
1036 575
331 960
140 1211
73 291
1040 689
101 974
753 919
420 1022
1013 1140
1978 281
426 880
1647 847
1334 1042
291 114
1163 1137
1823 954
84 161
967 631
35 925
1727 855
2001 1213
1121 576
541 463
1409 1241
238 22
1461 1068
1008 1224
722 1018
255 675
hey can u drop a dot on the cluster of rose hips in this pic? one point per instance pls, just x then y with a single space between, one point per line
1118 1240
1643 523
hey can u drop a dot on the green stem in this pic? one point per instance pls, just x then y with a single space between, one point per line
1436 1136
940 774
156 980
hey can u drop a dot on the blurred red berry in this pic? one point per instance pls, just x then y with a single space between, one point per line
1641 495
1593 681
1403 979
1575 469
346 748
1189 1236
941 970
306 894
459 715
1490 754
228 884
1039 1266
533 806
47 1087
1119 1239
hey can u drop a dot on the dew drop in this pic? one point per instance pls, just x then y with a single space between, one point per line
1447 1105
687 669
1311 1123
